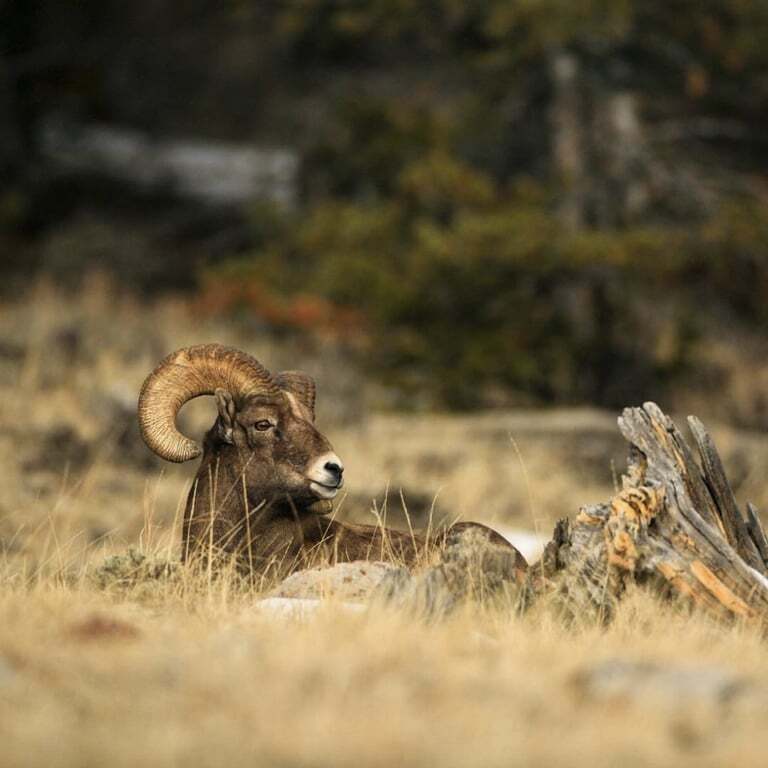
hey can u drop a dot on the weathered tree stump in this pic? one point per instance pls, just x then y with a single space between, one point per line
674 527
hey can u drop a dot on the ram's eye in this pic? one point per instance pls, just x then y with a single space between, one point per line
263 425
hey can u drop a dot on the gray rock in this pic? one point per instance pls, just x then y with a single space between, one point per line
476 564
349 582
636 682
301 608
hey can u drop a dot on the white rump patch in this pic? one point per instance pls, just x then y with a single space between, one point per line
529 543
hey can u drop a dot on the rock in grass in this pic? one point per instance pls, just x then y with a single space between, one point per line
475 565
351 582
302 608
621 681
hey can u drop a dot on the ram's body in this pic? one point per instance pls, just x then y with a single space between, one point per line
264 486
230 513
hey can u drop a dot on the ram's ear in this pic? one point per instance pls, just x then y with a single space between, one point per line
226 423
301 386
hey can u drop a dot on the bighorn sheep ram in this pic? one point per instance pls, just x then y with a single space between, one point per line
264 487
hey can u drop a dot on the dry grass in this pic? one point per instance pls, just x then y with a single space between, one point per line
175 668
200 678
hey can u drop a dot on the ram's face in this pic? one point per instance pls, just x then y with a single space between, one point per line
268 418
284 453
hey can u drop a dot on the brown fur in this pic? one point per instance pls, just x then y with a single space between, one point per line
252 499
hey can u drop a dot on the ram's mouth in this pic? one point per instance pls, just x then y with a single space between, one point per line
324 491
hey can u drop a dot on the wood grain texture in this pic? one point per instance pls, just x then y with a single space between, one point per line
674 527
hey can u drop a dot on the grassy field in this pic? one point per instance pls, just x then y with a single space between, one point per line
201 679
186 670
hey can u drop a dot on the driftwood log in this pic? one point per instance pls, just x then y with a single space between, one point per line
674 527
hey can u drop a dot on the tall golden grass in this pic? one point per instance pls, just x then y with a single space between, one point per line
136 660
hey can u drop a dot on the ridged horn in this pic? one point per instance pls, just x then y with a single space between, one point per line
188 373
301 385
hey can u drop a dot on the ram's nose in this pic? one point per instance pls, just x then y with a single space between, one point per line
335 468
326 475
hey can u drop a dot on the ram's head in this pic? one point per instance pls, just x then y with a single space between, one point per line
264 432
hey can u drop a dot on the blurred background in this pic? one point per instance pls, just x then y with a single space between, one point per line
435 207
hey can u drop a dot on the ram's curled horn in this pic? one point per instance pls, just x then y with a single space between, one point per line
189 373
301 385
